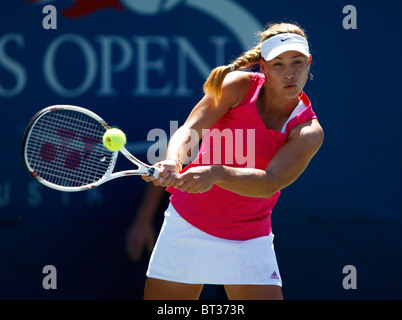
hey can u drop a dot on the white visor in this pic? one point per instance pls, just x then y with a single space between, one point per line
276 45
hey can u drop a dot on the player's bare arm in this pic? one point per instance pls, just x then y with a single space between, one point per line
204 115
286 166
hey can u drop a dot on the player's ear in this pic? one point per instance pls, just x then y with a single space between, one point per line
262 65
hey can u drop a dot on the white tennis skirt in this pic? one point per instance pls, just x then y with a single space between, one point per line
186 254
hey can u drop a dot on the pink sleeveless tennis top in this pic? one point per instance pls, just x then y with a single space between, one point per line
222 213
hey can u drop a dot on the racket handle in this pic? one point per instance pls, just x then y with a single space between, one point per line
154 172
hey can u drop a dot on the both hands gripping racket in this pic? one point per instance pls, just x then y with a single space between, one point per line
63 149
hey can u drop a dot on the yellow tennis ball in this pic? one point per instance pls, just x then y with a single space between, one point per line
114 139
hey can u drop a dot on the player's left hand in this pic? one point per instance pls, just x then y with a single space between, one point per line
197 179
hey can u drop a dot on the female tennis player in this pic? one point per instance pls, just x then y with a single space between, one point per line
217 228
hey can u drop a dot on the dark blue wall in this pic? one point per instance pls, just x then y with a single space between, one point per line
145 67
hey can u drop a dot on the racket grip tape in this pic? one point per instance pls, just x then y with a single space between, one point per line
154 172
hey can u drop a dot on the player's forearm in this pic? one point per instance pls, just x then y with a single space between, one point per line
246 181
181 144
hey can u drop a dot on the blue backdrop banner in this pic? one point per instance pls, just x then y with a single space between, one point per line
141 65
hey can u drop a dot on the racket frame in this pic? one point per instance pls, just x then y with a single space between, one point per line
143 169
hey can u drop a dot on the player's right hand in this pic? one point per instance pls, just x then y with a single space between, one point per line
168 171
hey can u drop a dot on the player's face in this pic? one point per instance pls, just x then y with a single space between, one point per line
286 74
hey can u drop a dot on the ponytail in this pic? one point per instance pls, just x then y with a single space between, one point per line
213 85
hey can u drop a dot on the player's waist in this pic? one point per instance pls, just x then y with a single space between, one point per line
224 214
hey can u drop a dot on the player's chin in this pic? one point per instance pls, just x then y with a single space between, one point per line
291 92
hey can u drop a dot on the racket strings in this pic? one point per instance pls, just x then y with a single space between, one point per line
65 148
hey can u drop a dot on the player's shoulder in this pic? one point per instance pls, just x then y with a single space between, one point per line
310 132
238 78
236 86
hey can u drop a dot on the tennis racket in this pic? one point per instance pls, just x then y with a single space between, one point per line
63 149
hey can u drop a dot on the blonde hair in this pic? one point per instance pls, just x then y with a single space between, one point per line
249 59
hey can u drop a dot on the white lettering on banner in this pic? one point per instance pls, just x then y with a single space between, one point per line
146 69
65 199
34 197
94 197
49 67
12 66
240 23
187 52
108 68
144 65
